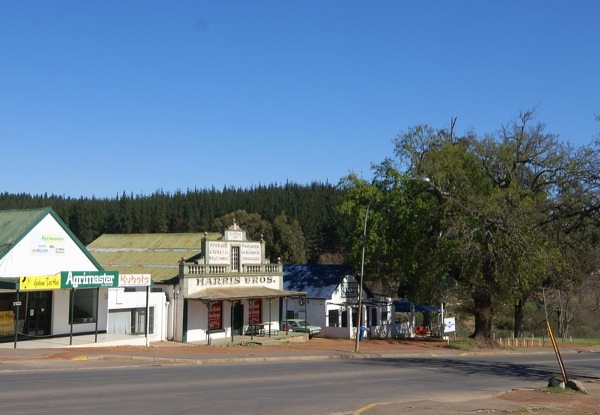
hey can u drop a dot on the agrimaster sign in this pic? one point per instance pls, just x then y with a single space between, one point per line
89 279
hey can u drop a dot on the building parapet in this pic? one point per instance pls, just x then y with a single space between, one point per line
207 269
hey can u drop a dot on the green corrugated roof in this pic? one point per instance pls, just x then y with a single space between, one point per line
15 224
157 254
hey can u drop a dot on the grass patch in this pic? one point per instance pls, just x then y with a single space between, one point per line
580 342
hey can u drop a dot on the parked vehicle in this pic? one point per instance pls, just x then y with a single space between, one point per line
304 327
285 326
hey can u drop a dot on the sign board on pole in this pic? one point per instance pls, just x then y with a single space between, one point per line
450 325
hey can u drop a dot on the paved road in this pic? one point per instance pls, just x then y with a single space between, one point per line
297 387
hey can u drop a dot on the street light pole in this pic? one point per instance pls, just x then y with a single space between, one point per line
360 284
424 180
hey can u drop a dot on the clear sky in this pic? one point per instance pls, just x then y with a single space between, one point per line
98 98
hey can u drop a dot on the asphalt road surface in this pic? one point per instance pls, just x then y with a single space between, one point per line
331 387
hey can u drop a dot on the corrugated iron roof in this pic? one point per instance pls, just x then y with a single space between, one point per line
233 293
14 224
157 254
318 280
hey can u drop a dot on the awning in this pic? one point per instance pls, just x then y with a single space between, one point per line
403 306
238 293
9 283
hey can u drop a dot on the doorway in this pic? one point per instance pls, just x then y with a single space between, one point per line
38 311
238 318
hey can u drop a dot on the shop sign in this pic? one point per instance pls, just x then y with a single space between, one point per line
254 311
89 279
7 323
47 244
135 280
218 253
235 281
250 253
215 315
40 282
235 235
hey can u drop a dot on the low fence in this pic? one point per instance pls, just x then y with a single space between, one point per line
522 342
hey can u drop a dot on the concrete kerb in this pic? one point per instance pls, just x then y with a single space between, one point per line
164 357
316 357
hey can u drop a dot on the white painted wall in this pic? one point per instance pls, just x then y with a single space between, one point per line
319 309
35 256
22 261
197 319
61 299
118 299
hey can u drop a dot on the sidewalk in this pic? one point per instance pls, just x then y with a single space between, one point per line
110 351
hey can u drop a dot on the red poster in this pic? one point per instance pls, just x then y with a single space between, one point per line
215 315
254 311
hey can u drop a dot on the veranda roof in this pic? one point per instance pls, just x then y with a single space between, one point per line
238 293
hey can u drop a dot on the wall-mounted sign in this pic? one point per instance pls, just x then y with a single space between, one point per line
46 243
215 314
7 323
135 280
40 282
234 235
89 279
254 311
218 253
250 253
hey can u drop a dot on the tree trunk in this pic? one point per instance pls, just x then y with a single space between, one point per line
519 316
483 313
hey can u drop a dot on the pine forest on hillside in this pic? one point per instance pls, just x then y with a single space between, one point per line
309 209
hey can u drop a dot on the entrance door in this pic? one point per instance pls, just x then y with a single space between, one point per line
238 319
37 320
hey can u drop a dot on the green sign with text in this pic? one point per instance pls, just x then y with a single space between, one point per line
89 279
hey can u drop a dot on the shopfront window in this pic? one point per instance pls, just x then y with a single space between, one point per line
334 318
130 321
83 303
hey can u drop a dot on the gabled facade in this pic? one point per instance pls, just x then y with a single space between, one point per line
332 301
229 288
49 283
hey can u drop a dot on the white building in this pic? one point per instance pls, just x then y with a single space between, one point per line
229 288
332 302
50 285
156 256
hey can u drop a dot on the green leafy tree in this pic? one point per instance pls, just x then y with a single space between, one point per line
493 224
288 240
255 226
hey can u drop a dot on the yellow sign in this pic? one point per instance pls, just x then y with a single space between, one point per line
7 323
44 282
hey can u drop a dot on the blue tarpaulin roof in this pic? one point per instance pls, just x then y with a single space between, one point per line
403 306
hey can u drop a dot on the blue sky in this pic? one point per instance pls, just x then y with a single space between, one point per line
98 98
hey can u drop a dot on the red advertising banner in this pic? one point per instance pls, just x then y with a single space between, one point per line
254 311
215 315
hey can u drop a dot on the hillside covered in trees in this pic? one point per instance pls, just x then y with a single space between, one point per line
309 209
